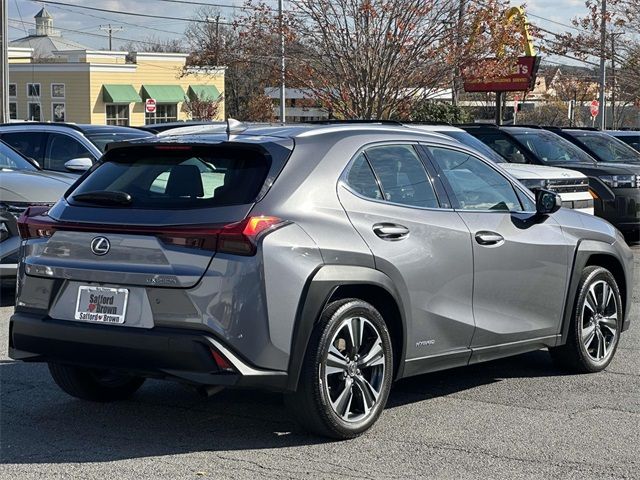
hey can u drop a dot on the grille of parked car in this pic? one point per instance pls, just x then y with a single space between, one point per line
569 185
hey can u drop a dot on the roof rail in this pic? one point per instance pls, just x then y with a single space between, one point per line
354 121
524 125
488 125
55 124
417 122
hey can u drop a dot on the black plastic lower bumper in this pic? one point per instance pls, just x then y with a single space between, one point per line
159 352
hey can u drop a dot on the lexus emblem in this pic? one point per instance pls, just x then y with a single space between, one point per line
100 246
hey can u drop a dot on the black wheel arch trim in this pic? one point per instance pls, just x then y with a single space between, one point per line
318 290
584 251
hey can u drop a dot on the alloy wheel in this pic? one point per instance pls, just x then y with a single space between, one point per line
354 369
599 331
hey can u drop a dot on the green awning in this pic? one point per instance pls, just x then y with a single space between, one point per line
163 93
203 92
119 94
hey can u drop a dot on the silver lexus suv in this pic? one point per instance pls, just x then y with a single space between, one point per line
321 261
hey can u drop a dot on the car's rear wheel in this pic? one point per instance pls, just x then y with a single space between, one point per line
347 371
94 384
595 325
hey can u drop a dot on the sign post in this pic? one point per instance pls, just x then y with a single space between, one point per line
150 105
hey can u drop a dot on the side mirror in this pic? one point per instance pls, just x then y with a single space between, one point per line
79 164
547 202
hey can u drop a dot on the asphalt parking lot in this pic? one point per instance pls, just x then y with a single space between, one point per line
514 418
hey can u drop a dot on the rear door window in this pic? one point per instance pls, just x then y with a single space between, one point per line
181 179
402 175
30 144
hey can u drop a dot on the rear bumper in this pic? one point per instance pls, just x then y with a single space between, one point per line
159 352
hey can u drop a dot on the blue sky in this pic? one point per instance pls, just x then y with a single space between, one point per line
85 22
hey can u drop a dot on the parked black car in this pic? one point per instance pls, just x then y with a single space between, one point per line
615 187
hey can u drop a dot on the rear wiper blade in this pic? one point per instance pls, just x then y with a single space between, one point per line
104 197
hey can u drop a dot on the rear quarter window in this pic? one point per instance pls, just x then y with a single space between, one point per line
180 179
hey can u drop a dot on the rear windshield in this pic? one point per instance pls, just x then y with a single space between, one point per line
183 178
101 140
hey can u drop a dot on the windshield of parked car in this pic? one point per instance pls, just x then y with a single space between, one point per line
101 140
11 160
631 140
608 149
471 141
551 148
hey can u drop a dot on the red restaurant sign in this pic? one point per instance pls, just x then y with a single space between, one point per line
520 77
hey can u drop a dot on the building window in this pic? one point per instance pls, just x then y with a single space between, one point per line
34 112
13 111
13 90
57 90
165 112
58 112
118 115
33 89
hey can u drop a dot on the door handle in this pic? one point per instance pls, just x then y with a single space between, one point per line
390 231
489 238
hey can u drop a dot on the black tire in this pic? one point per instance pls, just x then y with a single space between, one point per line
311 404
574 355
93 384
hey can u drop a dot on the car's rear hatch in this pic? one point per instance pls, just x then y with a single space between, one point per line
162 209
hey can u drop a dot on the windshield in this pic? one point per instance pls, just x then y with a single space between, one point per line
631 140
11 160
551 148
471 141
609 149
101 140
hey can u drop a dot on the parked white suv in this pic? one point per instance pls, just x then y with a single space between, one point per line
572 186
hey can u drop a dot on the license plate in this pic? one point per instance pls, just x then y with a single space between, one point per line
101 304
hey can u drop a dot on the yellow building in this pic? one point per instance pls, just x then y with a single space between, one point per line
104 87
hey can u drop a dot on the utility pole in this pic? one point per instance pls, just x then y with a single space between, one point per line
457 73
4 61
614 118
283 111
110 29
603 67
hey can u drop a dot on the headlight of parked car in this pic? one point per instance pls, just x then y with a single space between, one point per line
532 183
620 181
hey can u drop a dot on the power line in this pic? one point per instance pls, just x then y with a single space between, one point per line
80 32
132 14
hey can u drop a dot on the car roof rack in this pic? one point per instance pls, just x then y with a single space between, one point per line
418 122
354 121
479 125
525 125
54 124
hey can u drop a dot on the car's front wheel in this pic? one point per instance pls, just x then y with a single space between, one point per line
94 384
595 326
347 371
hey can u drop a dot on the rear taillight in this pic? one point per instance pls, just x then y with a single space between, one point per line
33 223
238 238
241 238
